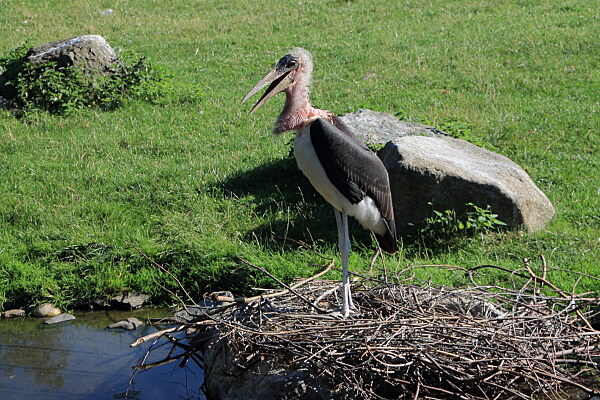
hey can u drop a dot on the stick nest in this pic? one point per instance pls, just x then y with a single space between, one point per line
410 340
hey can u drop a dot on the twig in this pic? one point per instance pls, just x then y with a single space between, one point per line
288 288
154 335
144 367
294 286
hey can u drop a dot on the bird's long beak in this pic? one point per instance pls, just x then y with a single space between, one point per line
278 78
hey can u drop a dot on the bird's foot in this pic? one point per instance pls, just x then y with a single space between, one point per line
351 306
348 305
340 314
344 312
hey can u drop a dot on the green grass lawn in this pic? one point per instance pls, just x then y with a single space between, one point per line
193 185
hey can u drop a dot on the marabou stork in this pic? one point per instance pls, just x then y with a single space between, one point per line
340 167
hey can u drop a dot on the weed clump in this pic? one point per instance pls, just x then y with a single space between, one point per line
474 220
449 229
68 89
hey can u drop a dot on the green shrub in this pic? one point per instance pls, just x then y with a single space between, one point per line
64 90
447 224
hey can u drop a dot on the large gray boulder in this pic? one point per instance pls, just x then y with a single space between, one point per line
427 166
379 128
59 319
91 52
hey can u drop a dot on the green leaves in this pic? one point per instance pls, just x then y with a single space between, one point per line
475 220
66 90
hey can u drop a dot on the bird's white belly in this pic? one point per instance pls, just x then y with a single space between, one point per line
365 211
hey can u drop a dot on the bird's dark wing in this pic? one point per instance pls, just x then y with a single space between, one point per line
336 151
351 167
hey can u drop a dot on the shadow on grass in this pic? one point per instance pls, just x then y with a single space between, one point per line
278 181
294 210
292 207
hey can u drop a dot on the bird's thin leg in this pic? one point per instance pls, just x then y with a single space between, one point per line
341 219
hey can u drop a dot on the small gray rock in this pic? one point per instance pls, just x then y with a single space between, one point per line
129 301
122 325
45 310
59 318
129 324
136 322
12 314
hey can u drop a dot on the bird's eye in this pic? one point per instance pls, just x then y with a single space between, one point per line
291 64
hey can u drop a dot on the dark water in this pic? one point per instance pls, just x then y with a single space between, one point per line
82 360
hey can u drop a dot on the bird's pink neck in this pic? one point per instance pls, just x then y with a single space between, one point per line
294 118
297 111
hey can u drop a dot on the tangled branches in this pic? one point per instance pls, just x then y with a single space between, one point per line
413 341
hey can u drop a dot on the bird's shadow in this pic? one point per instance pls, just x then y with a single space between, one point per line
290 211
288 206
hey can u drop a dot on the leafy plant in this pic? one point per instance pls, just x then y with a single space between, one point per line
445 224
374 147
481 219
56 90
64 90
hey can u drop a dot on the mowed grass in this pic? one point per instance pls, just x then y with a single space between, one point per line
90 202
